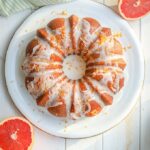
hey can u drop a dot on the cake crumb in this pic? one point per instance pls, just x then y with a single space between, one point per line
66 121
53 12
26 30
64 13
117 35
65 130
106 113
43 20
127 47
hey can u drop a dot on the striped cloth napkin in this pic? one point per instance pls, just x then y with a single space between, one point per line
8 7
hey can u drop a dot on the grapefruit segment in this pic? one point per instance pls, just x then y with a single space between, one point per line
134 9
16 133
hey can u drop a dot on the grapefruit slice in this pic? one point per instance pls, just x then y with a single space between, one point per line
134 9
16 133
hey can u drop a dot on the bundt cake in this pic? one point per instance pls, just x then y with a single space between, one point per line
74 67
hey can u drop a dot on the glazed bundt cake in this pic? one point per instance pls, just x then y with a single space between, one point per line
74 67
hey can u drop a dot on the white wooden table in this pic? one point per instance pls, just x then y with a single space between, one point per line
131 134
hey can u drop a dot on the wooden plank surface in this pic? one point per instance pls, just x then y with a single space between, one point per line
125 136
145 103
42 141
132 134
94 143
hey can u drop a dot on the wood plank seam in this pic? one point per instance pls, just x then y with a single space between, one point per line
140 102
65 143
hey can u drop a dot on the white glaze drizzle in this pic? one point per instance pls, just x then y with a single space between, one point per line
41 56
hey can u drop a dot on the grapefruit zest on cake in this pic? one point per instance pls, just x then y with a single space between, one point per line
74 67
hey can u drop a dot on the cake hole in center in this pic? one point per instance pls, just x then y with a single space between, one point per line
74 67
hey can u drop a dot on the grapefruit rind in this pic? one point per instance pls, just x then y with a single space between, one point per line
127 18
24 120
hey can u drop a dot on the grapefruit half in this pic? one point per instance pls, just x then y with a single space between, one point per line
16 133
133 9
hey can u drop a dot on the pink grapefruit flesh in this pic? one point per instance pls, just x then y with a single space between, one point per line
134 9
16 134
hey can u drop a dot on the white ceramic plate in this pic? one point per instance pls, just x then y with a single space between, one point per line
86 127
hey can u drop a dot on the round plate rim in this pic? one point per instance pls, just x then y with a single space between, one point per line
132 104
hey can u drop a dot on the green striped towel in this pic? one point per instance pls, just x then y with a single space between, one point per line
8 7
